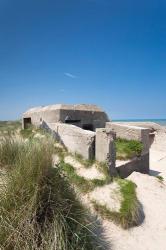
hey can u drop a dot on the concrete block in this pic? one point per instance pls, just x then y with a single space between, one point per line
138 164
105 150
75 139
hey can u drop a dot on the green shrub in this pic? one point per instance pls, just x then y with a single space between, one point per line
126 149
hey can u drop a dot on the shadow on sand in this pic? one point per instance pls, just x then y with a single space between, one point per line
154 172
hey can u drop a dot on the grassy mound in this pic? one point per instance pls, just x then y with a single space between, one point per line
130 213
128 149
9 126
38 207
31 131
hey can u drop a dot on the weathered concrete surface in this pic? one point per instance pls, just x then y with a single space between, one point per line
138 164
75 139
82 115
105 150
152 126
129 132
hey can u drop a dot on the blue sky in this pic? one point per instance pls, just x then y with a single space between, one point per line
107 52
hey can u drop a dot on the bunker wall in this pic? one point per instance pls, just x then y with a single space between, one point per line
89 120
75 139
105 150
83 117
38 117
139 164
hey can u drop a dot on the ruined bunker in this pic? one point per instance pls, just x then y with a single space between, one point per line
85 116
85 129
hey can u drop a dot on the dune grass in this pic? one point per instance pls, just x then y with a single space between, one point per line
130 212
38 206
86 163
103 168
126 149
27 133
31 131
9 126
9 151
80 182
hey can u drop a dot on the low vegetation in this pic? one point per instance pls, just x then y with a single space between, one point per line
160 178
126 149
9 151
38 206
130 212
27 133
31 131
86 163
103 168
9 126
80 182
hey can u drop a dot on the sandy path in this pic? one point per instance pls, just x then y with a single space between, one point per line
151 234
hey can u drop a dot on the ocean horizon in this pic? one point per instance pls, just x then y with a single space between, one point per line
158 121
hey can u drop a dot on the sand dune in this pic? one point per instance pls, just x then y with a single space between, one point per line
151 234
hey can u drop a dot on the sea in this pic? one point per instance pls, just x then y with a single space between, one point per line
161 122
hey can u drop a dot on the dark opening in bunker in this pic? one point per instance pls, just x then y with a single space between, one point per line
72 121
88 127
27 122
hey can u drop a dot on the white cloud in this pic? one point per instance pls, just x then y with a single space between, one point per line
70 75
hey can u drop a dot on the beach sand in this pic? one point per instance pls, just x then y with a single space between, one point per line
151 234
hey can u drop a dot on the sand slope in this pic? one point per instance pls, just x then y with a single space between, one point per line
151 234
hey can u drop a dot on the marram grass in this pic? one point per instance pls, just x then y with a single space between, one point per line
83 184
130 213
38 207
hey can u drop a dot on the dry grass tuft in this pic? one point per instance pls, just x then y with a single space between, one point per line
38 206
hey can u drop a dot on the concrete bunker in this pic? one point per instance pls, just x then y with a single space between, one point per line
86 116
86 130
